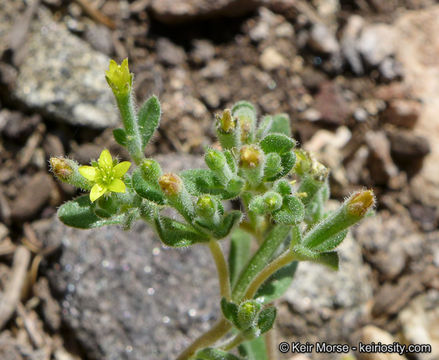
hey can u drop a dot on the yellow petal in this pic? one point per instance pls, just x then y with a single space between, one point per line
120 169
105 161
96 192
89 172
117 185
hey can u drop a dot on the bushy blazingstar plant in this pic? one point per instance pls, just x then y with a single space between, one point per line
281 190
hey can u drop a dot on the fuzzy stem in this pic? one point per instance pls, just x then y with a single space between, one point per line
215 333
129 118
222 268
272 241
287 257
233 342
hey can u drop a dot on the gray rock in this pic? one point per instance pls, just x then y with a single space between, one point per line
377 42
323 39
420 323
326 304
171 11
60 74
348 43
127 297
169 53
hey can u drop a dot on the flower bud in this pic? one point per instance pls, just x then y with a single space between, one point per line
151 170
171 184
348 214
215 160
247 313
360 203
206 206
67 171
61 168
119 78
229 134
226 122
252 164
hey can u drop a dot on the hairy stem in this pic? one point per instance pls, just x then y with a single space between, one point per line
272 241
129 119
222 268
287 257
214 334
233 342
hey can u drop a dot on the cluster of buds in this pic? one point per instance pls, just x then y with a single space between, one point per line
282 192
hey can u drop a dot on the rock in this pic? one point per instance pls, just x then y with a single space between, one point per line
377 236
203 51
401 112
323 40
331 104
380 162
377 42
417 28
61 75
34 195
165 297
420 323
100 38
271 59
169 53
266 23
372 334
4 231
51 310
16 126
325 304
169 11
408 149
215 69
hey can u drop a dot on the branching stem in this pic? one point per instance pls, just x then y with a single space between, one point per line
208 338
222 268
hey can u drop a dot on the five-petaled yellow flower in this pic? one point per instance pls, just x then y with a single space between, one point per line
105 175
119 77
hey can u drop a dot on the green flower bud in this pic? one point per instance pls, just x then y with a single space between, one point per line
228 131
67 171
247 314
273 165
246 115
283 187
349 213
215 160
119 78
151 170
206 206
267 203
252 163
176 194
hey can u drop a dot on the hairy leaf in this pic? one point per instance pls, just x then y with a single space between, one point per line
239 253
277 143
266 319
254 349
229 221
215 354
149 119
120 136
177 234
281 124
145 190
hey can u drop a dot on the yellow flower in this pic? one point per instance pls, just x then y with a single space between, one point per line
119 77
105 175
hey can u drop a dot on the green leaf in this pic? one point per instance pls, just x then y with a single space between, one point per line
229 221
79 213
291 212
266 319
287 161
177 234
229 310
281 124
239 253
264 127
277 284
214 354
204 181
149 119
332 242
329 259
254 349
145 190
272 165
277 143
230 161
120 136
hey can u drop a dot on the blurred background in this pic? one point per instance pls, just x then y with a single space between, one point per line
360 81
